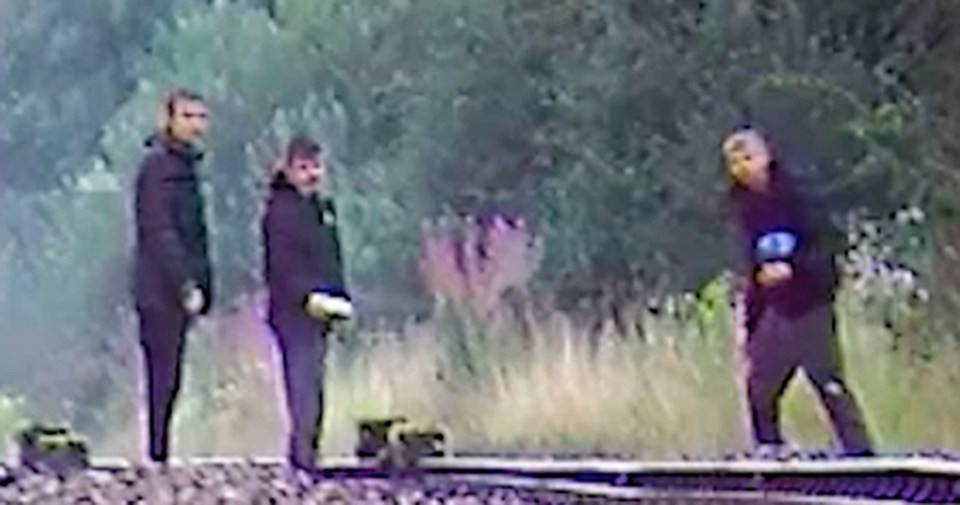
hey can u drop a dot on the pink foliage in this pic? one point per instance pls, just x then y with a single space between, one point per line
476 264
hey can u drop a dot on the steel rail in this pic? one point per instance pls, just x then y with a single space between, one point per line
862 480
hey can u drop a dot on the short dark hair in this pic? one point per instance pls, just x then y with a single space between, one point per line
301 147
177 95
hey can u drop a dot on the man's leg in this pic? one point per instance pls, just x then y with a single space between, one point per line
302 349
768 368
824 367
162 340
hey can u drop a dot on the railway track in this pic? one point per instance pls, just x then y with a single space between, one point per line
862 481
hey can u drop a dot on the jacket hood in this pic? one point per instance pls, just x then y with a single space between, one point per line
280 183
160 139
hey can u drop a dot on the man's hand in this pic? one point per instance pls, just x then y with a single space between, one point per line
193 299
774 273
323 307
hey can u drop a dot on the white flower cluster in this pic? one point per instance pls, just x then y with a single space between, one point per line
872 264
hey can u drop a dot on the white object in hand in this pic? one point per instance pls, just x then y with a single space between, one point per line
322 306
193 302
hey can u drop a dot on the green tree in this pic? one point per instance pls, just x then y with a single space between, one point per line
65 68
642 109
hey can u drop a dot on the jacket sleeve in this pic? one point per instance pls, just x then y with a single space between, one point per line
822 241
333 254
157 197
287 251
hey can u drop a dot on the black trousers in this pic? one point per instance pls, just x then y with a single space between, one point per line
162 337
775 351
303 346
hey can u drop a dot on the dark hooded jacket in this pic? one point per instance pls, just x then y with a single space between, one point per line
171 231
815 276
301 249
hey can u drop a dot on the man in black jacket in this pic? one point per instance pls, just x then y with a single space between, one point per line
172 272
786 308
304 274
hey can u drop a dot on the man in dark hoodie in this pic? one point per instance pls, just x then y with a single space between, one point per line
172 273
304 275
786 304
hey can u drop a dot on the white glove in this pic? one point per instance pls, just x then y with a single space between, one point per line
323 306
193 301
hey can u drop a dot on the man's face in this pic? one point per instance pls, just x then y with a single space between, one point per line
748 159
307 174
188 121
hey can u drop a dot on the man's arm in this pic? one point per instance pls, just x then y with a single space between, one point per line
157 199
333 256
822 242
287 253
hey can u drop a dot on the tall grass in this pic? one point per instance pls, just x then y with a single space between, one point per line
536 380
12 419
541 387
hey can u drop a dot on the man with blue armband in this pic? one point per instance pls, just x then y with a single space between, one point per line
785 308
304 273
